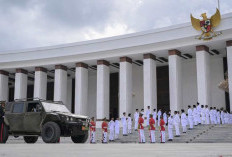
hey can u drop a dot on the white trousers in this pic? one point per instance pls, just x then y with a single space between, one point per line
170 133
104 137
195 120
203 120
136 124
158 121
124 129
184 128
152 136
162 136
111 137
177 129
141 136
92 137
190 122
129 128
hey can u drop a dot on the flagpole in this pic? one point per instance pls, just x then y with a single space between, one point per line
219 5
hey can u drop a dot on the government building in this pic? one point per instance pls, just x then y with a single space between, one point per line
166 68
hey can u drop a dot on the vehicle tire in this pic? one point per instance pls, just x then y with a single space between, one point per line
4 133
30 139
80 138
51 132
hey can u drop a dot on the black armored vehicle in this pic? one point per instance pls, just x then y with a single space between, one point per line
48 119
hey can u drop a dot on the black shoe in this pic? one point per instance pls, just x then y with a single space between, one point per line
184 132
169 139
177 136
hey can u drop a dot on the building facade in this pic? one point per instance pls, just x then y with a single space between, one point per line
163 68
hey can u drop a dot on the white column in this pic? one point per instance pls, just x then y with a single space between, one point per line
69 93
81 89
60 83
125 85
229 65
175 87
149 81
4 88
203 75
20 84
103 85
40 84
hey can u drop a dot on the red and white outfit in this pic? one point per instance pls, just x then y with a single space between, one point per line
141 130
162 130
92 132
152 130
104 132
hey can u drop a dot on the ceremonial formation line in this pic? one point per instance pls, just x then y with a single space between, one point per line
162 121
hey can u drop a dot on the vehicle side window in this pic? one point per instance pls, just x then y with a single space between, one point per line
18 108
33 107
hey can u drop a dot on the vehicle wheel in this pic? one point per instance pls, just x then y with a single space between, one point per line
80 138
50 132
3 133
30 139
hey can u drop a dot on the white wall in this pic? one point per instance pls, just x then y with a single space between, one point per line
217 75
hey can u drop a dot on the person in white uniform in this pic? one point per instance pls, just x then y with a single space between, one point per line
117 128
136 119
159 114
211 115
111 127
176 121
129 123
218 117
183 121
190 117
148 112
215 115
165 117
124 124
154 115
206 114
202 114
170 127
222 116
195 115
199 113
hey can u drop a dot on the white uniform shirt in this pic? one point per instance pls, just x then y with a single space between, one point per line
154 115
170 122
148 112
111 125
190 112
136 116
129 121
123 119
159 114
183 119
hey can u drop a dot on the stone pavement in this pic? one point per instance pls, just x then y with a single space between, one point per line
200 134
117 150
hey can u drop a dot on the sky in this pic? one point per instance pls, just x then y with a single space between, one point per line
37 23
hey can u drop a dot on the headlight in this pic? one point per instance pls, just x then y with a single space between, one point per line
71 119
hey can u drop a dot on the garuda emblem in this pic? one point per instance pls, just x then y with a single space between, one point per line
206 25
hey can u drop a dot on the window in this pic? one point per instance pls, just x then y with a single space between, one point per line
34 107
18 108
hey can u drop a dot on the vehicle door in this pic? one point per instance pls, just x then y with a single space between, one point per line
33 117
16 117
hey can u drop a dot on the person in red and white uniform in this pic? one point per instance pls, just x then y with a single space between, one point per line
141 129
162 129
104 131
92 130
152 128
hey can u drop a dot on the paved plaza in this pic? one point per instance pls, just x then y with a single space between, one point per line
116 150
200 134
